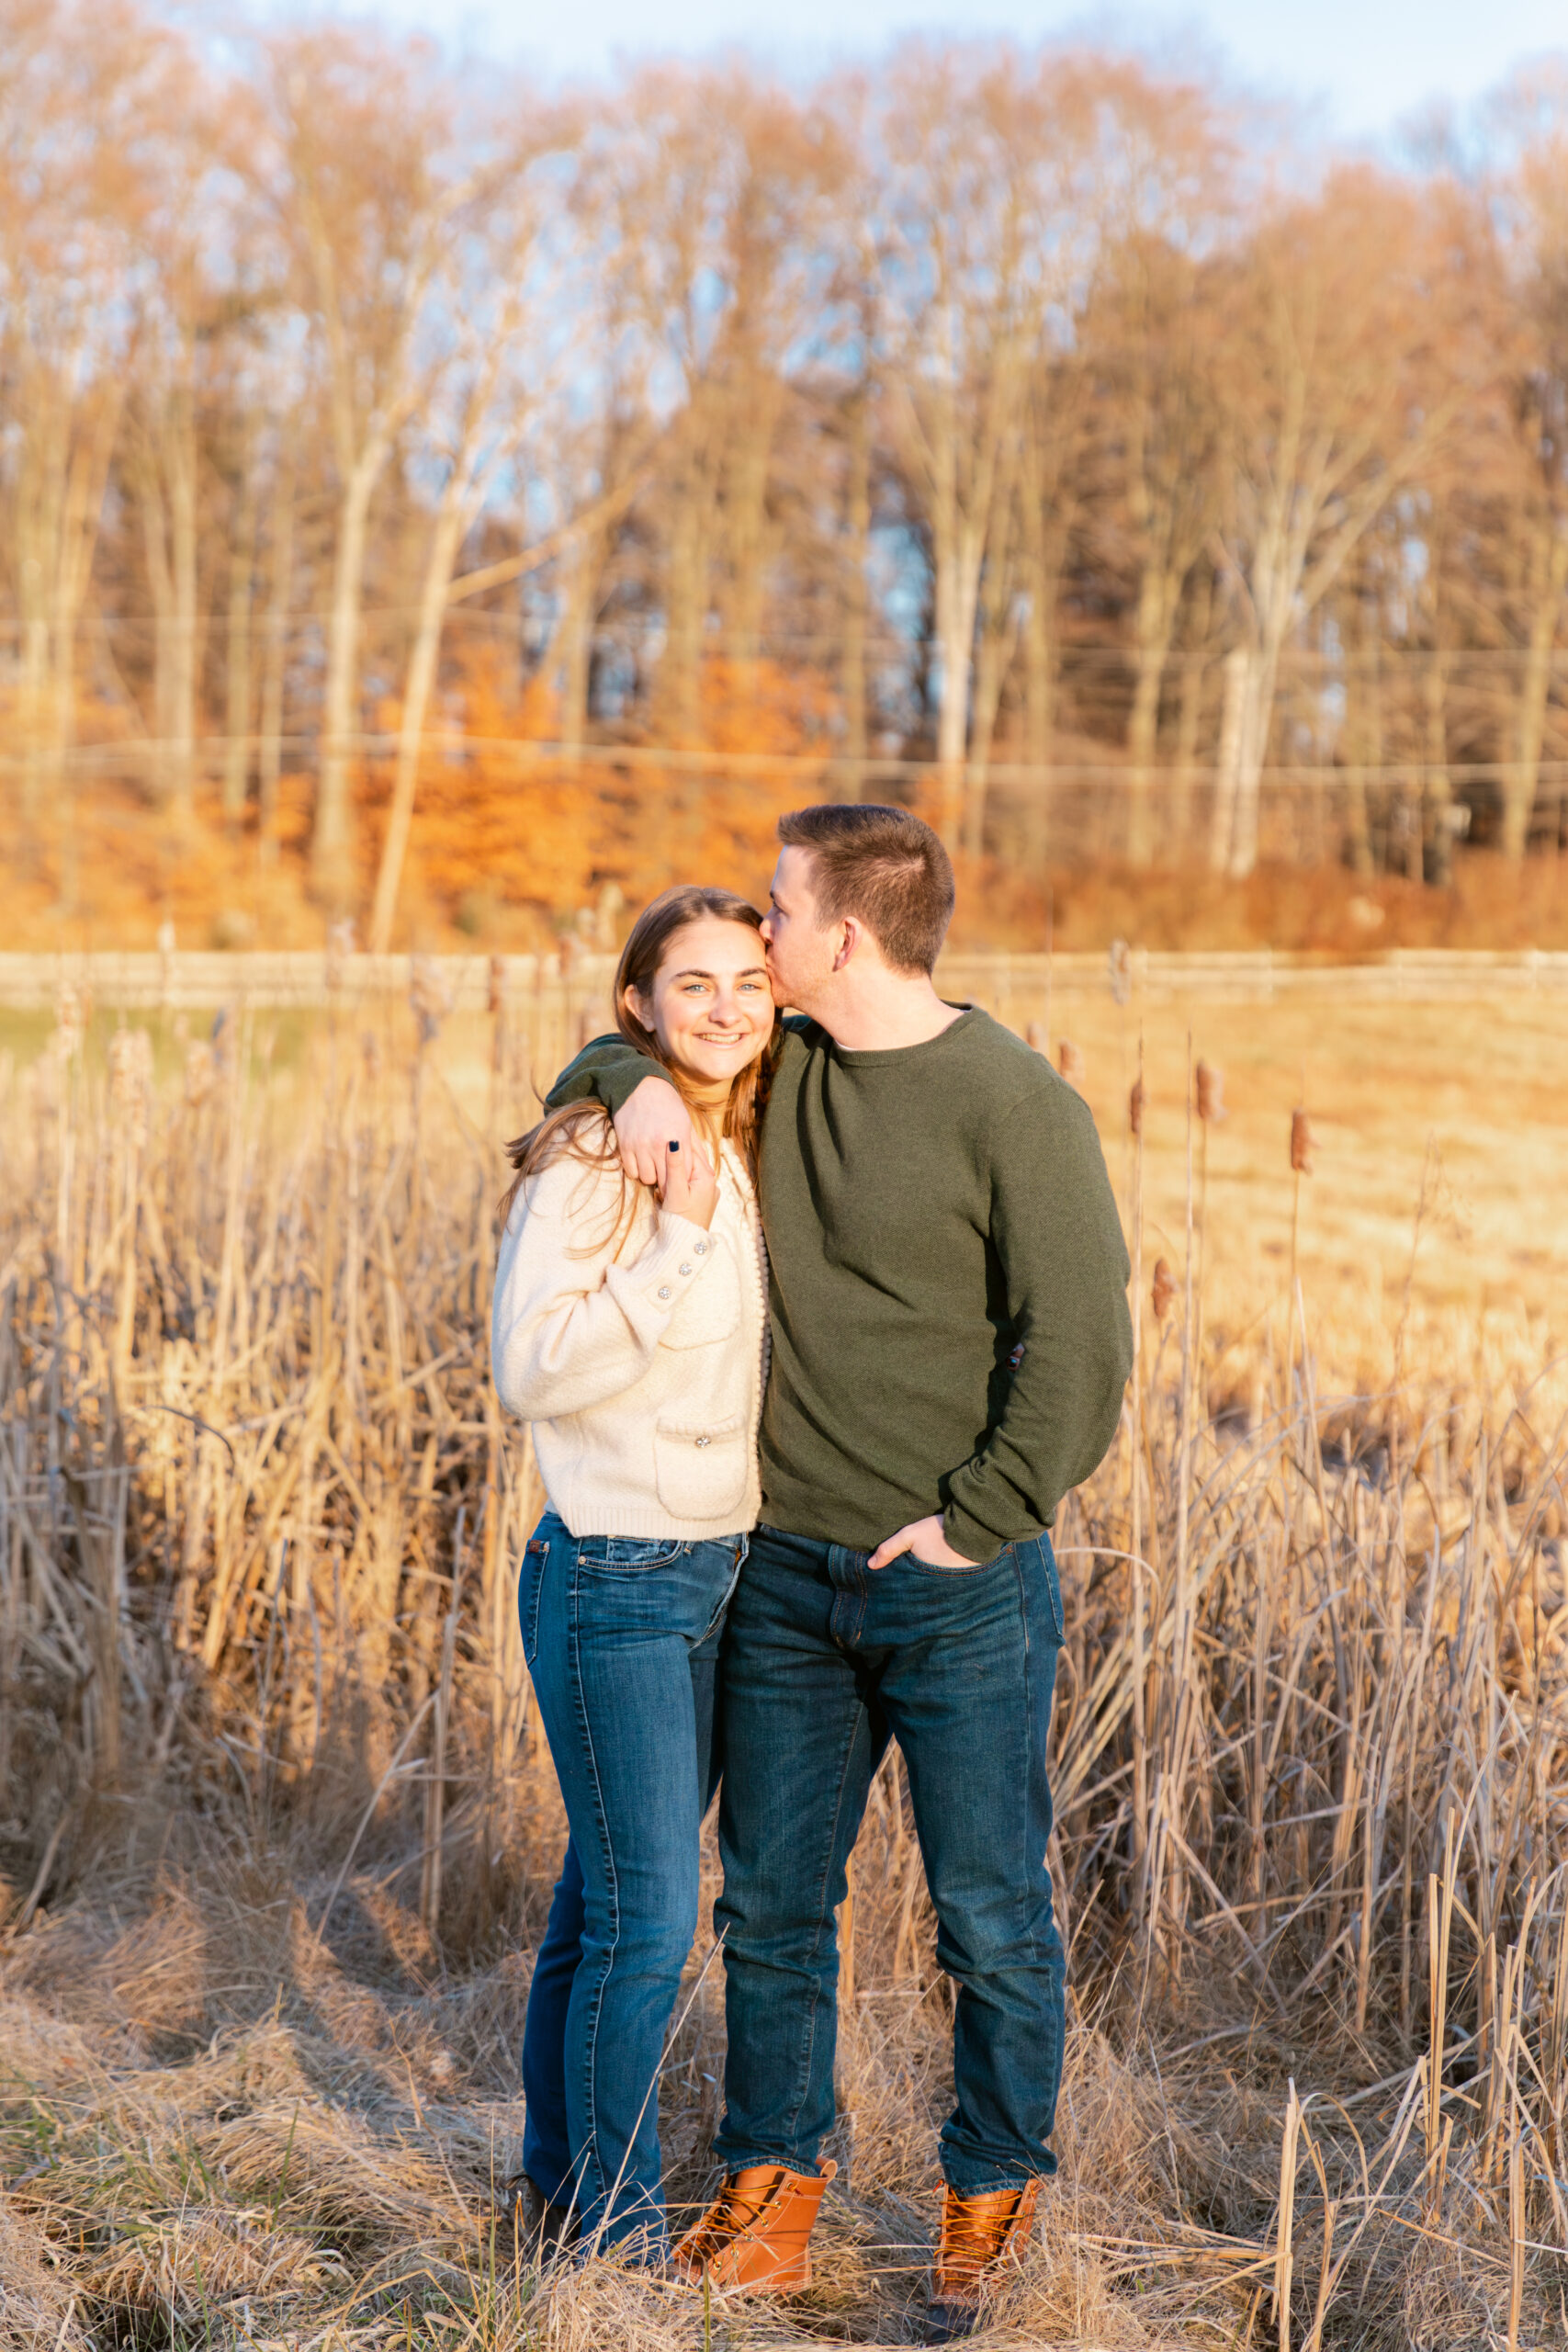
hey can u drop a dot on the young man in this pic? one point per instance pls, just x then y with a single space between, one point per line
950 1344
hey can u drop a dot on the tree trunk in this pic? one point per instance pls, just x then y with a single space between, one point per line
182 683
746 517
64 506
1158 596
586 566
959 545
1042 539
999 620
1227 762
333 840
1438 787
269 763
1189 723
242 577
954 639
1364 714
1142 730
1260 669
689 586
445 539
167 497
857 593
1548 574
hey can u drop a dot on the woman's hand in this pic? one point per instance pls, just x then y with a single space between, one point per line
689 1188
651 1118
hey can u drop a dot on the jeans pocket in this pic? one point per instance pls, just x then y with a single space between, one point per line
627 1554
1048 1559
530 1586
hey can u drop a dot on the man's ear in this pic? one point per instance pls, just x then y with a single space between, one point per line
849 940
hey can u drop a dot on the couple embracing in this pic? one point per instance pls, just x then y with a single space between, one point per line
817 1315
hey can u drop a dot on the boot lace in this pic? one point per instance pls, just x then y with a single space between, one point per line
973 2236
730 2214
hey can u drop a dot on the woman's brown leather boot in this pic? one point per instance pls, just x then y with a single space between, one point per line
754 2236
977 2233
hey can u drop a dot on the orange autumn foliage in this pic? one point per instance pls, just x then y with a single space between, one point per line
503 821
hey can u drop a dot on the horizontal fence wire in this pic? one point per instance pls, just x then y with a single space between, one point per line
572 981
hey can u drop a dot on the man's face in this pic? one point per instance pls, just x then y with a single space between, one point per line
800 950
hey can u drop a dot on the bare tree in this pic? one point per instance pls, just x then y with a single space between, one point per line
369 193
984 244
1147 340
1338 381
495 300
1534 259
71 95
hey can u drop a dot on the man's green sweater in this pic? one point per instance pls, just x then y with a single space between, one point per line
948 1283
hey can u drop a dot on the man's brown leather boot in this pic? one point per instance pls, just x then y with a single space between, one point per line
754 2236
977 2233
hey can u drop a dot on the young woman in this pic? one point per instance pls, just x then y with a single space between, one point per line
630 1328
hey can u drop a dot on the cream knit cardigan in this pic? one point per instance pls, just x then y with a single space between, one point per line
637 1346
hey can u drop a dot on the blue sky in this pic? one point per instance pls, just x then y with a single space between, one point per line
1364 64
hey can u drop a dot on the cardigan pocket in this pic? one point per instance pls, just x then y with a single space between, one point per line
702 1468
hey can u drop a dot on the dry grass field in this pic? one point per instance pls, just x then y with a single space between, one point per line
279 1827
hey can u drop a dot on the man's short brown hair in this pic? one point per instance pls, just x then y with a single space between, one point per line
884 866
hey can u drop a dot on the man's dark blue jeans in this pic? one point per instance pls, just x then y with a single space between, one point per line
622 1639
824 1661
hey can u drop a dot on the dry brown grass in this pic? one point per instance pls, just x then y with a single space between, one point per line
279 1827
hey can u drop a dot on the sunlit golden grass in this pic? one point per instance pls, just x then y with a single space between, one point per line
280 1828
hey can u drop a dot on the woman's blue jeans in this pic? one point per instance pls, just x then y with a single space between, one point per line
622 1640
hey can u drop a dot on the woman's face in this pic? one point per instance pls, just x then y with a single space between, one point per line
712 1007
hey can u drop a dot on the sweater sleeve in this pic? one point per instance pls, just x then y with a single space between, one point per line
1058 1236
607 1070
571 1326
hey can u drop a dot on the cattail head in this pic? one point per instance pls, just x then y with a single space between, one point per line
497 982
430 996
201 1072
1069 1061
130 1078
1162 1293
1210 1081
341 944
69 1022
1119 961
1034 1035
1302 1143
1135 1107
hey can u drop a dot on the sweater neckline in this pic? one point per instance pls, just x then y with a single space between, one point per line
883 1056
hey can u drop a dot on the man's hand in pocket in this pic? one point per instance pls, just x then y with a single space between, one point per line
925 1539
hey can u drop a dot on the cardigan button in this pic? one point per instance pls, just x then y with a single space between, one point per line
663 1290
685 1269
702 1249
705 1441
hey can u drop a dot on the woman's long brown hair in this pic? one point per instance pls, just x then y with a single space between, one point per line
582 1130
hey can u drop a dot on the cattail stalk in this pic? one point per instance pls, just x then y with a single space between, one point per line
435 1783
1182 1696
1284 2228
